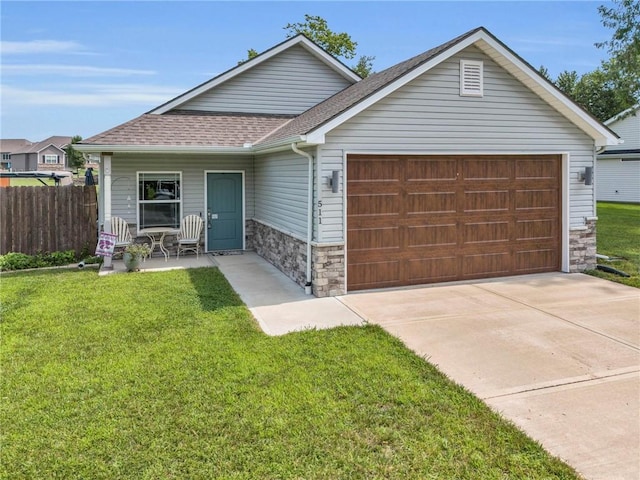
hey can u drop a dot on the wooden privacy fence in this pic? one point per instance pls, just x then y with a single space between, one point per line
48 219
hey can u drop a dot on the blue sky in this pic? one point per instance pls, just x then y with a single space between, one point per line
79 68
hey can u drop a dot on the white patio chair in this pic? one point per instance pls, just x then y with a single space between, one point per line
189 236
120 228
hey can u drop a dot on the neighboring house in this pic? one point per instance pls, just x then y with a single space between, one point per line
9 146
459 163
618 167
48 154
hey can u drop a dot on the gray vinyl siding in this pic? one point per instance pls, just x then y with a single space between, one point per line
288 83
618 181
125 166
428 115
627 129
281 192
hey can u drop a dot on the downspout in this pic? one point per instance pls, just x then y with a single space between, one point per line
294 147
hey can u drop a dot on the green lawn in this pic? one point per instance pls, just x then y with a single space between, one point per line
618 235
166 375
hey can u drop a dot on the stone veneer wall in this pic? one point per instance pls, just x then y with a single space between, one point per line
328 277
289 255
582 247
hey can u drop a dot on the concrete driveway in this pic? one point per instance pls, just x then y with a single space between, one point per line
557 354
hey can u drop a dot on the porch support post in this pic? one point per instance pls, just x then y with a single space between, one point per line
105 187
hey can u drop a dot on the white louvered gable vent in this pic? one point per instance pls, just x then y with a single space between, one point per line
471 82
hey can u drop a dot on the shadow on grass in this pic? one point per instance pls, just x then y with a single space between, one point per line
213 289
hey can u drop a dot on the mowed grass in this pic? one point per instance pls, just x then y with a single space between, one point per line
166 375
618 235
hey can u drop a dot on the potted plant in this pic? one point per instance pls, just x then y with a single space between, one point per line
134 253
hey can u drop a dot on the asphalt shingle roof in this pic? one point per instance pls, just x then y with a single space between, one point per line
188 128
25 146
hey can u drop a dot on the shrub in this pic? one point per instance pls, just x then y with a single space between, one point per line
21 261
16 261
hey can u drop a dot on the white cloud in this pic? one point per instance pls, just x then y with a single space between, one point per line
40 46
72 71
88 95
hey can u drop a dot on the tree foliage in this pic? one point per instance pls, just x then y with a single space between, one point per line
74 158
623 67
615 85
315 28
339 45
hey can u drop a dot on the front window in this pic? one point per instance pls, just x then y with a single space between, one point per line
50 158
159 199
6 156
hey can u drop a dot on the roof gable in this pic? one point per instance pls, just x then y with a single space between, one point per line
299 42
326 116
622 115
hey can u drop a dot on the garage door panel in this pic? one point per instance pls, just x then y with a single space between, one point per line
449 218
486 264
493 169
366 169
380 238
485 232
541 260
374 274
420 169
486 201
431 202
537 229
536 199
373 205
444 234
425 270
536 168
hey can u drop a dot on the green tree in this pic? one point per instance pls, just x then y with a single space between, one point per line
623 68
315 28
615 85
337 44
74 158
340 45
567 82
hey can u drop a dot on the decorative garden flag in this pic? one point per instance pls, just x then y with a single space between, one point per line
106 244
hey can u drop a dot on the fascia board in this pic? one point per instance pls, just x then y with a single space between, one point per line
47 146
300 140
547 91
505 58
95 148
234 72
329 60
622 114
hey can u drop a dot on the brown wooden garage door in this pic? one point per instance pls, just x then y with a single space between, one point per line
424 219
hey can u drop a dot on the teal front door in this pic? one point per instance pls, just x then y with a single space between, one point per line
224 211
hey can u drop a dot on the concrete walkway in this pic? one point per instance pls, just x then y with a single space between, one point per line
279 305
557 354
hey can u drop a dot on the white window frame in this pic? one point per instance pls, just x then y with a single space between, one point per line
469 86
6 156
139 201
51 159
